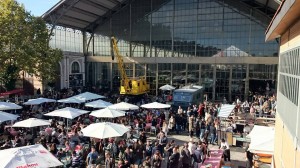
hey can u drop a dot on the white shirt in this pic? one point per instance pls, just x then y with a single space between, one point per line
192 147
224 144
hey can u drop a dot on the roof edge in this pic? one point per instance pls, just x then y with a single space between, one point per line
272 31
46 14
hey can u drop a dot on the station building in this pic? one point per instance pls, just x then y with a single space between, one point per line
218 44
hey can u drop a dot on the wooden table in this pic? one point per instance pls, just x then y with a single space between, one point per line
214 160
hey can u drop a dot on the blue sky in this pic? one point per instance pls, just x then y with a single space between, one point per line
38 7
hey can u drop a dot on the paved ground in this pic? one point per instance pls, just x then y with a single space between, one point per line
237 153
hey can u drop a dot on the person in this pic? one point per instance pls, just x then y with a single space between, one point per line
157 159
165 128
185 156
109 161
226 151
213 134
174 159
147 162
198 155
92 157
249 157
163 140
247 129
148 149
76 160
53 149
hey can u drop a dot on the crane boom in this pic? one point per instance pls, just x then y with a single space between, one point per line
128 86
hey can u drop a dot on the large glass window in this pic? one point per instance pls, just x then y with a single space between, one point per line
207 79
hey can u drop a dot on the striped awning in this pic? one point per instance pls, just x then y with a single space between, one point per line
225 110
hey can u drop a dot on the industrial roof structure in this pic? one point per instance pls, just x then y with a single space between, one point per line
87 15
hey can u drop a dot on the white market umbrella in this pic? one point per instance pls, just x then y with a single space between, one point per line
33 156
31 122
7 116
86 96
67 112
70 100
39 101
156 105
107 113
104 130
9 106
167 87
98 104
124 106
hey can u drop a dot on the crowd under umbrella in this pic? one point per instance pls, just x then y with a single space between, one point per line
167 87
124 106
156 105
9 106
39 101
28 156
67 112
31 122
107 113
7 116
98 104
104 130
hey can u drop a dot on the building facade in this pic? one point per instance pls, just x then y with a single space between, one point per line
215 43
286 27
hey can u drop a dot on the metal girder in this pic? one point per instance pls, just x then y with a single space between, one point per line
95 4
84 12
100 20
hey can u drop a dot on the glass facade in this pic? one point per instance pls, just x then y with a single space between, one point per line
175 30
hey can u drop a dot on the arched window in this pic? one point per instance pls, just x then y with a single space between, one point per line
75 67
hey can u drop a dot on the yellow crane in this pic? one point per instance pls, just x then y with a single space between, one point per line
128 86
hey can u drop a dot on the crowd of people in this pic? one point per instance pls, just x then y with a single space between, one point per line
200 122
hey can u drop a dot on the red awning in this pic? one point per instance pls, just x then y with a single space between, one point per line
16 91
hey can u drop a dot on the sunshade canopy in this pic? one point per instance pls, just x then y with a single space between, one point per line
31 122
262 139
156 105
225 110
86 96
67 112
98 104
33 156
9 106
124 106
39 101
7 116
107 113
104 130
167 87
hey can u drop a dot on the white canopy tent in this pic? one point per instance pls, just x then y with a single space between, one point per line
156 105
262 139
67 112
104 130
39 101
124 106
28 156
31 122
86 96
70 100
107 113
98 104
167 87
225 110
7 116
9 106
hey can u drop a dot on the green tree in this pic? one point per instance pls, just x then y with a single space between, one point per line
24 45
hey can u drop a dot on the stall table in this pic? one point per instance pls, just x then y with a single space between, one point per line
214 160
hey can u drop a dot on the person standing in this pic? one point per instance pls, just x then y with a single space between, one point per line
163 140
109 161
174 159
249 157
186 156
226 150
92 157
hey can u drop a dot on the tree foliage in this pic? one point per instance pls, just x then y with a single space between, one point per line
24 45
